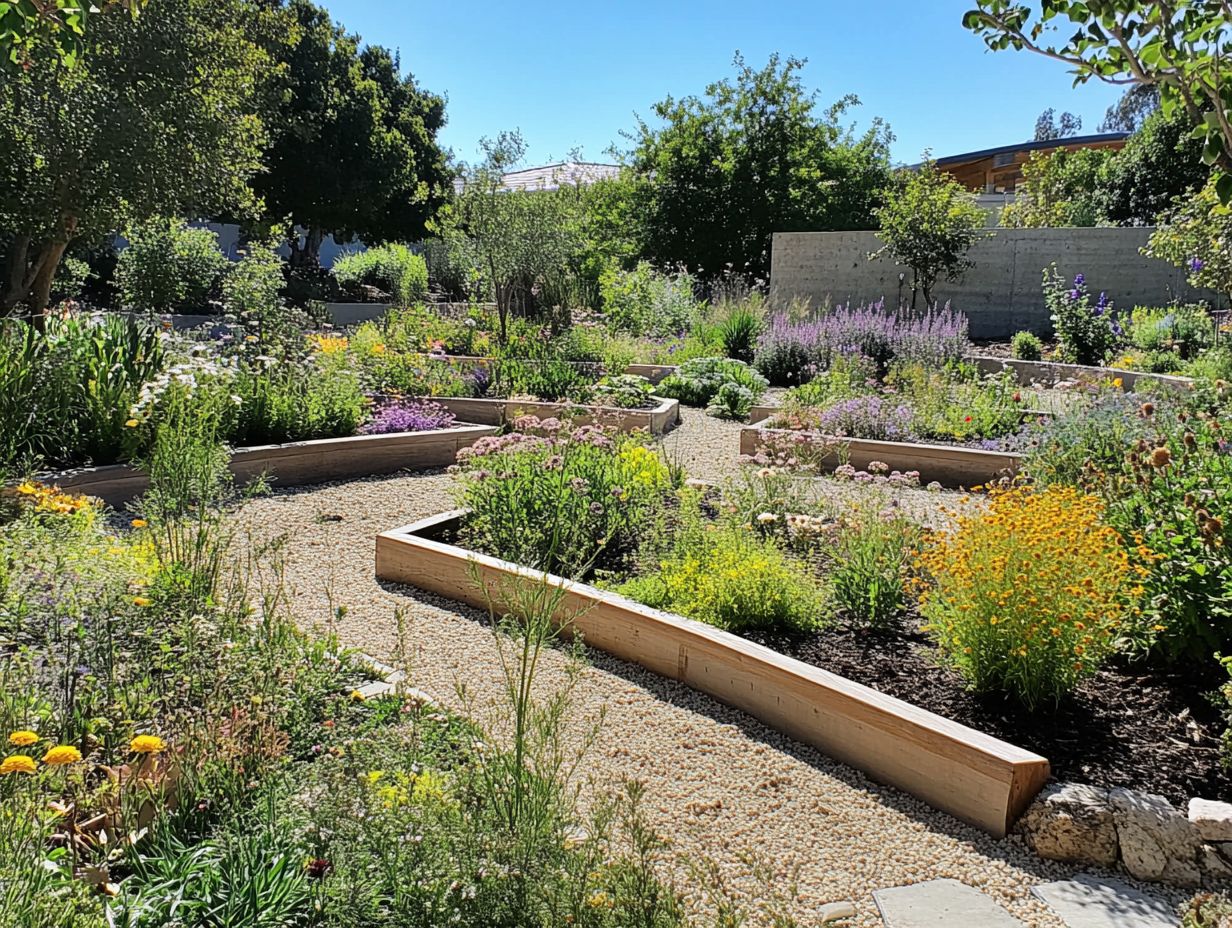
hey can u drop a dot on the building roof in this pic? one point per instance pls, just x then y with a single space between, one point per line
553 176
1072 141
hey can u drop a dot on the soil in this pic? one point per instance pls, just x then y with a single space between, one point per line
994 348
1142 728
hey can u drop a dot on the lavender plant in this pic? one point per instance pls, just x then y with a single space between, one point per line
870 417
408 416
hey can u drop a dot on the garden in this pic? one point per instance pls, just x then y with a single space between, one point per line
533 561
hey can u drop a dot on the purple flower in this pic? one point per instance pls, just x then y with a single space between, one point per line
1196 264
1079 280
408 416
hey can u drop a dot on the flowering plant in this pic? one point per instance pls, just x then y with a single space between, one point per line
408 416
1086 333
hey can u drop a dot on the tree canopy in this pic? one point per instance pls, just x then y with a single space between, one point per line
1048 126
753 156
157 117
56 24
354 150
1182 47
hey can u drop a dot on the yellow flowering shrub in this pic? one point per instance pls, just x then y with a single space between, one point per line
1028 596
643 468
328 344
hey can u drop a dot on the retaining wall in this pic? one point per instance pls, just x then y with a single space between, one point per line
1001 294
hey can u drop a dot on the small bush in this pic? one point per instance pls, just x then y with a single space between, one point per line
391 269
739 330
730 576
167 267
1183 331
733 401
645 302
1026 346
869 417
627 391
70 280
1028 596
408 416
872 554
1086 333
697 382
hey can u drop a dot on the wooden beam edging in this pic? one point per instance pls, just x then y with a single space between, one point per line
1049 372
657 420
946 464
973 776
297 463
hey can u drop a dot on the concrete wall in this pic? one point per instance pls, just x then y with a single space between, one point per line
1002 293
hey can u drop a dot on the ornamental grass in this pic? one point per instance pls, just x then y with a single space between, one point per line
1028 597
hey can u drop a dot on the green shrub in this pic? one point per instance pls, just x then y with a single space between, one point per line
1086 333
733 401
454 268
645 302
558 500
628 391
293 400
729 575
168 267
868 570
698 381
391 268
70 280
251 291
1212 365
1183 331
739 329
1026 346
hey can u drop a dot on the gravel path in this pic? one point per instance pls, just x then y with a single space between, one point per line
719 783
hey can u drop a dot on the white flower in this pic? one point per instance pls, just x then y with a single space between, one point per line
766 518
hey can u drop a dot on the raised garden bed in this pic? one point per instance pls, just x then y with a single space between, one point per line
973 776
656 420
296 463
949 465
1050 372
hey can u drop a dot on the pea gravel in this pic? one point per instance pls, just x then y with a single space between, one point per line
719 783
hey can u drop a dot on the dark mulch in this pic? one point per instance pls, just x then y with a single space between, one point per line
1142 728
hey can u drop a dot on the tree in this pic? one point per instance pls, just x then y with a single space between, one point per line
58 24
1059 188
1047 127
1160 162
525 238
354 152
929 222
1130 112
1197 235
1182 47
156 118
752 157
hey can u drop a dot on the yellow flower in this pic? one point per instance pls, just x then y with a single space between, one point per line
23 738
18 763
139 523
131 423
27 488
378 349
142 601
61 755
357 696
599 900
146 744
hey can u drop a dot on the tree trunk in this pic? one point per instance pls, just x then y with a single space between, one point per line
19 277
312 245
40 291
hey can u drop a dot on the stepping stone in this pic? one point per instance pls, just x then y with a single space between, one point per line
1090 901
941 904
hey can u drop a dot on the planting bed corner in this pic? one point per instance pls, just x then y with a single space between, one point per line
657 420
973 776
948 465
297 463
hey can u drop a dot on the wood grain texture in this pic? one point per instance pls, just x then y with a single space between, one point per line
298 463
971 775
949 466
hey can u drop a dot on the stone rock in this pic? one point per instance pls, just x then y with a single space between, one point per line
1213 820
1071 822
941 904
1157 841
1091 901
1215 861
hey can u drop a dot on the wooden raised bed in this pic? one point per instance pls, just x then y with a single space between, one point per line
948 465
297 463
974 777
657 420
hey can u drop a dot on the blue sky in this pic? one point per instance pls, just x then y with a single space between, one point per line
574 74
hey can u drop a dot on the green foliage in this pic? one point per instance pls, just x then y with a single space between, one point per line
1026 346
1184 331
957 404
699 381
1207 910
168 266
728 575
1159 163
1195 236
1086 333
71 278
454 267
1058 189
753 156
294 400
643 301
739 328
157 118
929 222
733 401
627 391
869 565
353 148
392 269
1176 47
559 501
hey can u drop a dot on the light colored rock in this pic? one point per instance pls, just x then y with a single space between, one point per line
941 904
1157 841
1212 819
1090 901
1071 822
1215 861
833 911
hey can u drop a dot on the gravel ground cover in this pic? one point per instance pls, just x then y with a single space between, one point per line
719 783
